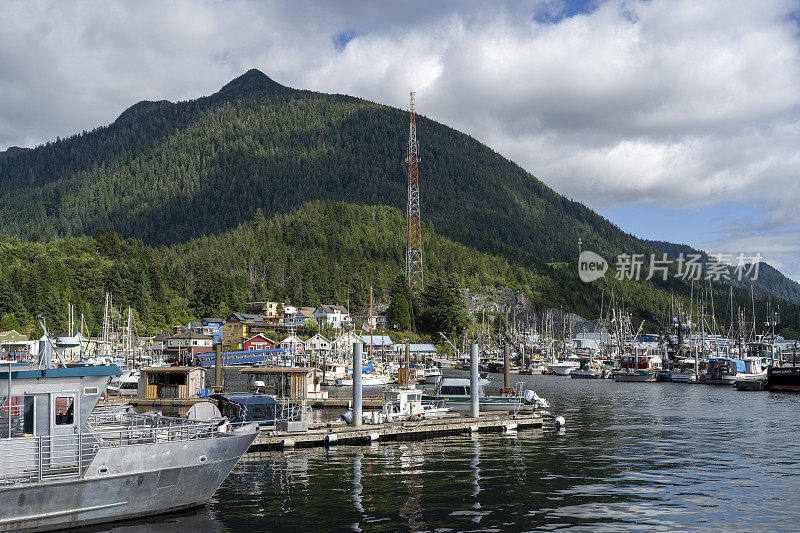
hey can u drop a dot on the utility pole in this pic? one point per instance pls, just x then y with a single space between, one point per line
414 225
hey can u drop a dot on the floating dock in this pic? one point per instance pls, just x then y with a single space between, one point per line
338 433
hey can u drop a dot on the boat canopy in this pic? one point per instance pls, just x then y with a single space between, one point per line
740 365
248 400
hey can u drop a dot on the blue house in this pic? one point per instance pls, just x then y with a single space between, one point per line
212 327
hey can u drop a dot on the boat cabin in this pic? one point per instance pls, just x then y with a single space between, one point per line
296 383
48 401
242 408
458 387
178 382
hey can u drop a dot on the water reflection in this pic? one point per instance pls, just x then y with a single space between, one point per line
633 456
357 488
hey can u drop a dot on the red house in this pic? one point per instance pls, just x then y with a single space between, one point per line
258 342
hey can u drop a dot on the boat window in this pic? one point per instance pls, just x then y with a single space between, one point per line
20 410
65 411
452 389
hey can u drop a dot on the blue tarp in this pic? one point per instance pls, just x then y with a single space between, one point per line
240 357
740 366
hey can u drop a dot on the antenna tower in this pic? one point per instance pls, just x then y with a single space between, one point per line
414 234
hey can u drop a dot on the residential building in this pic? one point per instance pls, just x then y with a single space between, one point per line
240 326
258 342
188 344
361 319
14 345
267 309
159 343
213 328
343 344
318 343
301 316
335 316
292 344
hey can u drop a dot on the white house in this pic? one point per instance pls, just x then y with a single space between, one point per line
332 315
343 344
318 343
301 316
292 344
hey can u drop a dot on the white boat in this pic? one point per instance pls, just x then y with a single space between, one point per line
433 374
72 467
563 368
125 385
367 380
405 404
683 372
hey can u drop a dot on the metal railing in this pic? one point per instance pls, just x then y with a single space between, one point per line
37 459
125 429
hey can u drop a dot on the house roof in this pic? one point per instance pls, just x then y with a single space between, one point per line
318 336
329 309
377 340
245 317
290 339
262 337
307 312
162 337
192 335
416 348
213 320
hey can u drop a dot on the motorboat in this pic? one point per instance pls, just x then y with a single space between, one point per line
433 374
563 368
456 393
72 467
127 384
262 409
369 378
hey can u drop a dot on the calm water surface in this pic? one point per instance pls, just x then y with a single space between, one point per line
649 456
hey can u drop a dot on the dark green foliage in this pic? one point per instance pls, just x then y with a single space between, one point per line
167 172
444 309
399 312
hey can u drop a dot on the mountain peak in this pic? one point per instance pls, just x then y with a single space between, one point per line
252 81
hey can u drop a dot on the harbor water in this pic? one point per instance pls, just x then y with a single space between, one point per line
644 456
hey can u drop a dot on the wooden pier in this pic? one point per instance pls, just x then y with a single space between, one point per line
338 433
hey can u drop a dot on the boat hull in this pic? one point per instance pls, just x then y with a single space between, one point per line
751 384
636 377
486 403
683 377
785 379
157 479
563 370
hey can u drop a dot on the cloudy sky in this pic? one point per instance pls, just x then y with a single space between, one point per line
678 120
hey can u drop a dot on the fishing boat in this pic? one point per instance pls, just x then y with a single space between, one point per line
683 371
723 370
63 466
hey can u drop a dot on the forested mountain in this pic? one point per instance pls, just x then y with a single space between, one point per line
321 253
264 191
167 172
770 281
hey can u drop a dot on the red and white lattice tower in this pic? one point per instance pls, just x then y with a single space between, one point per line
414 235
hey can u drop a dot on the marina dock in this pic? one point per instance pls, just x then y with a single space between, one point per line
338 433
